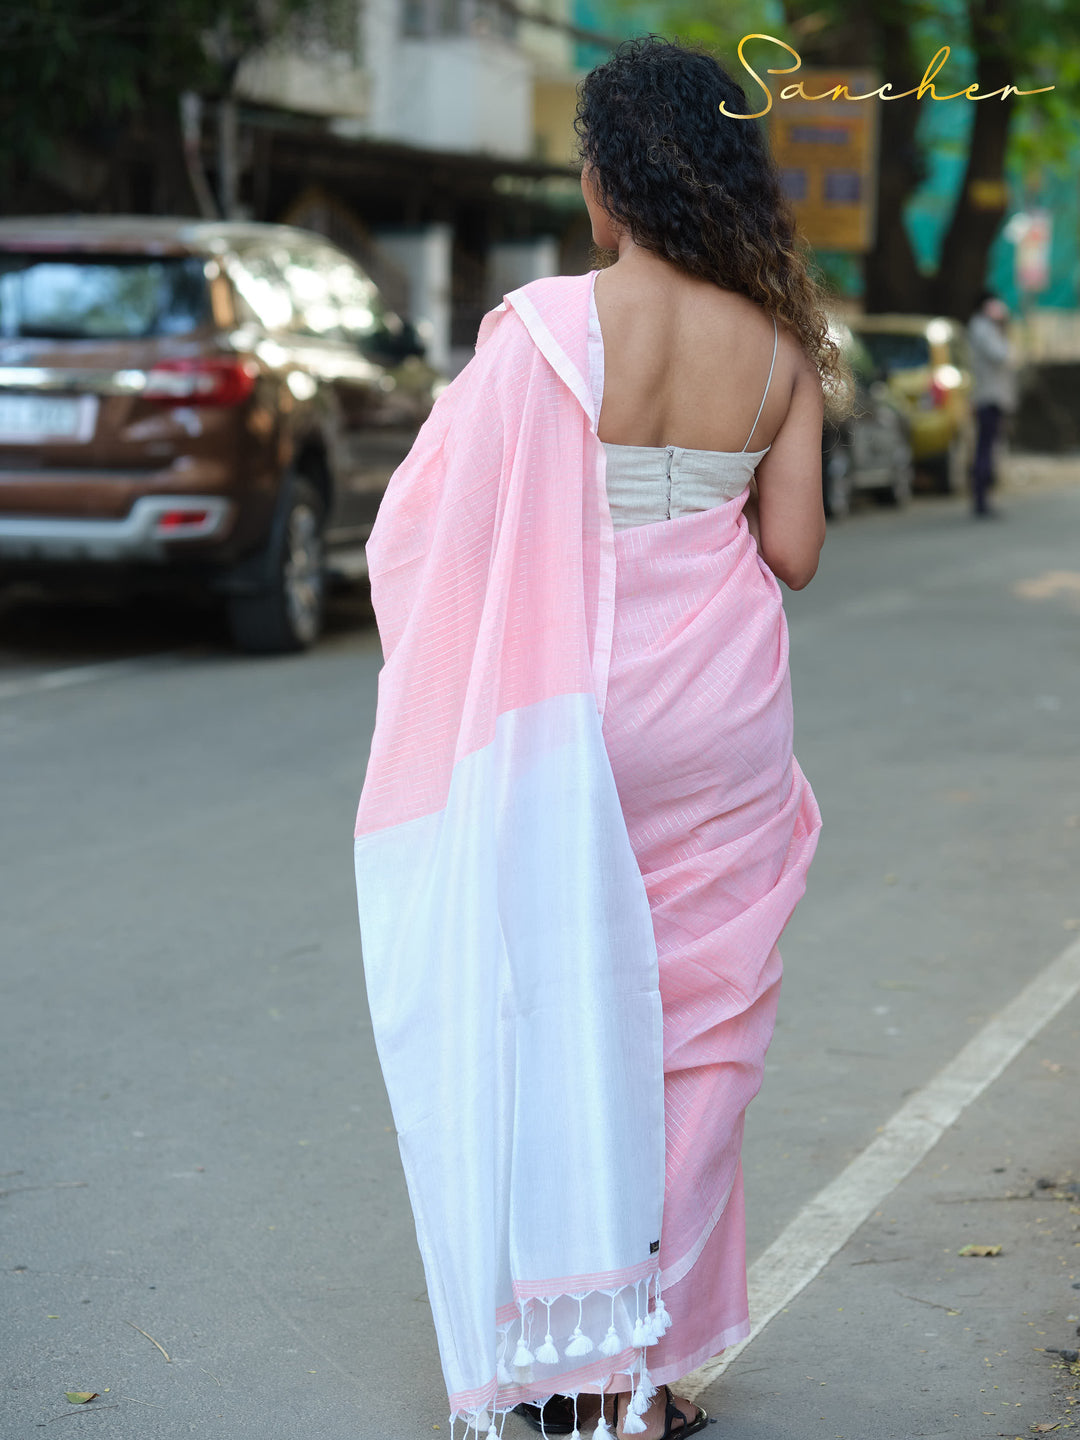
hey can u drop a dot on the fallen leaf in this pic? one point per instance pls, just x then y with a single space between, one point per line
980 1250
1047 585
80 1397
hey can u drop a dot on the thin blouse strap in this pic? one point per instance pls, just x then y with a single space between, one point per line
761 407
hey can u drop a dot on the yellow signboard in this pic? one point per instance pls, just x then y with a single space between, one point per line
827 151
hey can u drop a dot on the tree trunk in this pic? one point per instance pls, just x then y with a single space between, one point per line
891 278
228 159
191 132
983 200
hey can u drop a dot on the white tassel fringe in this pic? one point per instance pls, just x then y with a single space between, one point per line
547 1354
611 1344
579 1344
523 1356
515 1359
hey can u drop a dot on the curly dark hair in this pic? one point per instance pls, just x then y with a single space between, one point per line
700 188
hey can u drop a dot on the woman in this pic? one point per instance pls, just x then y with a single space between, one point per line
582 828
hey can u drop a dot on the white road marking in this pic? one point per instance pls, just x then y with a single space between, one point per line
830 1219
81 674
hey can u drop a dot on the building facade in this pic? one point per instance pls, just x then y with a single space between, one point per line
432 138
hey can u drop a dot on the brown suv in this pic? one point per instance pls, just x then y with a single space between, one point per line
198 404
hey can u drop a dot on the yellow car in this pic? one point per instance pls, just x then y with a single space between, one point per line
925 361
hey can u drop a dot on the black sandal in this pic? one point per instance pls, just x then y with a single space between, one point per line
557 1411
672 1414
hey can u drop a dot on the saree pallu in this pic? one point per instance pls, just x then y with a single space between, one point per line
581 832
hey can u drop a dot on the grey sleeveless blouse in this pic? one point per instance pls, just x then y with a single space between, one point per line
648 483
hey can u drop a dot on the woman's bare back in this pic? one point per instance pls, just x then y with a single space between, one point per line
686 363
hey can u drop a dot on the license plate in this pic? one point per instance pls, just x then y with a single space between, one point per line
33 419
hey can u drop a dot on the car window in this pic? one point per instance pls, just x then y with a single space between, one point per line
363 314
101 297
258 277
309 275
310 289
895 350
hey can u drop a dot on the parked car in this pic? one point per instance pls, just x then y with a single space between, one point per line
871 449
925 360
198 405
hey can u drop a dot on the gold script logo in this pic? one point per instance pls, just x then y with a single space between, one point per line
841 92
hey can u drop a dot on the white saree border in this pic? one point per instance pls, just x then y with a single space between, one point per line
508 943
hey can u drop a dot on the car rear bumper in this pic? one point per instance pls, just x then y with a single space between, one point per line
932 432
154 530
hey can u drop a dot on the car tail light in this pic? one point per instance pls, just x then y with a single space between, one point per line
176 520
939 393
214 380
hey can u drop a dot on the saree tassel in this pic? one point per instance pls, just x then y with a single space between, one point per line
638 1403
639 1336
645 1392
523 1356
632 1422
578 1344
611 1344
547 1354
502 1370
651 1324
603 1429
575 1434
660 1320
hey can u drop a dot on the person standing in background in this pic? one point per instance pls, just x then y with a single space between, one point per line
993 391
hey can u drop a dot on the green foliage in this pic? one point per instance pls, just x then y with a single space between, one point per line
72 66
1047 133
1041 43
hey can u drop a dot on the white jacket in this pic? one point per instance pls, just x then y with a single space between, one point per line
993 367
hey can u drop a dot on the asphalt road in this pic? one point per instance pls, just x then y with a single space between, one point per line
202 1214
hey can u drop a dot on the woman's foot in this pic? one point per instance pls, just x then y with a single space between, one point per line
559 1413
655 1417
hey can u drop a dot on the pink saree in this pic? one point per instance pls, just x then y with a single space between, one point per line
581 833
